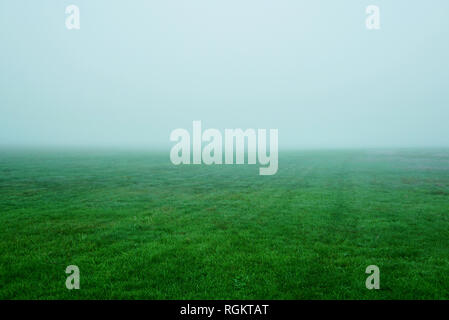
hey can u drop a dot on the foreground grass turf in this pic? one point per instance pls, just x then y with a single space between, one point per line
140 228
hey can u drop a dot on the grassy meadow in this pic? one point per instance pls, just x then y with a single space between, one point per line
139 227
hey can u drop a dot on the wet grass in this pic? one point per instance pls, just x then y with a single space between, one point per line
140 228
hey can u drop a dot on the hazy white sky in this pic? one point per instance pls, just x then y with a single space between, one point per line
136 70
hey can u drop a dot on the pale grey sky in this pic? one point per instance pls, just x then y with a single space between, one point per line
136 70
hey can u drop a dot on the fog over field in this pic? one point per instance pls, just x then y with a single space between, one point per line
124 172
134 72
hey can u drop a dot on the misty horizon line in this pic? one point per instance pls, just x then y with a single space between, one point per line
159 148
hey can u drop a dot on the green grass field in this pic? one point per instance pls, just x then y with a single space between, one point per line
139 227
